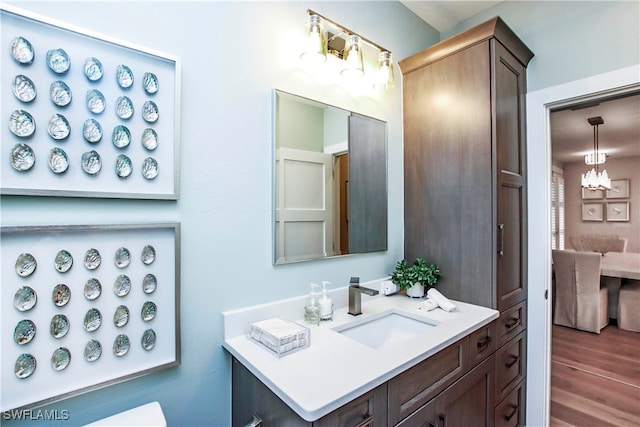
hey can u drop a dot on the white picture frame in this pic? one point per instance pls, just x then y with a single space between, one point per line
619 189
618 211
592 212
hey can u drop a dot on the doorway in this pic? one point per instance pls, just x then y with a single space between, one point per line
539 105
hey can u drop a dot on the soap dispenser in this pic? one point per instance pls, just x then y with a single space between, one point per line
326 304
312 308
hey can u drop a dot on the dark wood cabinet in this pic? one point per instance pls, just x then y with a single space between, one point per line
465 178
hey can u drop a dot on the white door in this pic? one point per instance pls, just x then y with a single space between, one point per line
304 197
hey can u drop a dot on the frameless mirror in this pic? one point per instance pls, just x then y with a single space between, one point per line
330 181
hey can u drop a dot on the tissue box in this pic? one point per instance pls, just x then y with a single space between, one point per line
280 336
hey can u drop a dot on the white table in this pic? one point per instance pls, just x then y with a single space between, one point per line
614 267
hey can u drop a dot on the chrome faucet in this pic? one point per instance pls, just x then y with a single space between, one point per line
355 293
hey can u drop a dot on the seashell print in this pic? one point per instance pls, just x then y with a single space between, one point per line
58 61
93 69
121 345
92 289
150 112
122 285
121 136
148 254
124 167
148 340
25 265
92 351
60 93
123 257
150 83
150 139
124 76
22 157
91 162
149 310
23 88
25 298
24 332
21 50
58 127
95 101
22 124
60 358
92 259
25 366
92 131
92 320
149 168
58 160
124 107
61 295
149 283
59 326
63 261
121 316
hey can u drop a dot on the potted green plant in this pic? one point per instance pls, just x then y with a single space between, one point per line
414 278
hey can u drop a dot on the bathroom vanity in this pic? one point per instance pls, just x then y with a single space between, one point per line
442 373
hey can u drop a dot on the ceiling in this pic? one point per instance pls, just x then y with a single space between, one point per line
571 133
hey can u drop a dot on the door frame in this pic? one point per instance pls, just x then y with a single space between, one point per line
539 105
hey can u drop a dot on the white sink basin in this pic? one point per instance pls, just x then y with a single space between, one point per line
386 329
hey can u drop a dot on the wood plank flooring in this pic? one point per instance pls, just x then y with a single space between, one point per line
595 379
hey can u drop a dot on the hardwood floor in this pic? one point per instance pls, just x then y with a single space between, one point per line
595 379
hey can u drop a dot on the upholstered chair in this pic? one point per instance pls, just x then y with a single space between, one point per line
580 302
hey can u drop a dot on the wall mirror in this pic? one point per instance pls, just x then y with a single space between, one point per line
330 181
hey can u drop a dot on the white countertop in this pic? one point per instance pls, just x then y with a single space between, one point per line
336 369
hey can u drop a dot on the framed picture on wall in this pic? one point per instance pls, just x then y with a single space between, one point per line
618 211
592 212
592 194
619 189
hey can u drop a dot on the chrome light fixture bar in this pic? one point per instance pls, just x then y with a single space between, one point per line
594 180
323 37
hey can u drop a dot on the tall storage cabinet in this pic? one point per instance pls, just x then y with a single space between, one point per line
465 183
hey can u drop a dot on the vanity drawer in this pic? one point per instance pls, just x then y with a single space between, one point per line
368 410
510 412
417 385
510 365
482 344
511 322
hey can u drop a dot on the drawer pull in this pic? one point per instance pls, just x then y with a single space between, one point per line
514 410
255 421
432 424
501 230
514 360
443 419
368 421
512 322
483 343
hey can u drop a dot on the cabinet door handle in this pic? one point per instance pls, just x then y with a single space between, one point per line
514 410
512 322
368 421
501 239
255 421
483 343
514 360
443 419
433 424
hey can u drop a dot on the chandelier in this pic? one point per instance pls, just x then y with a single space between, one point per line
593 179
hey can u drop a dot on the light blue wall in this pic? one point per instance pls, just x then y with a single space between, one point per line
233 55
571 40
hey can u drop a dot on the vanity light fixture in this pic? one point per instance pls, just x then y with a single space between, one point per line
593 179
325 37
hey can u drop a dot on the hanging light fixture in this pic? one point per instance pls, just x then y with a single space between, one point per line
385 79
315 49
352 56
593 179
350 50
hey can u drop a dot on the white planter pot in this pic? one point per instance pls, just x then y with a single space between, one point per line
416 291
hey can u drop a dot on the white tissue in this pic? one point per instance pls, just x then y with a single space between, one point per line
442 301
